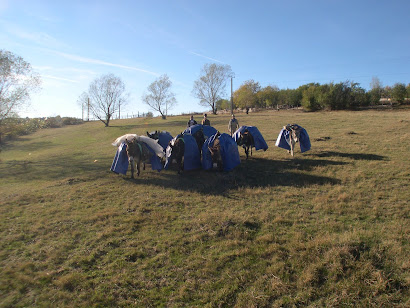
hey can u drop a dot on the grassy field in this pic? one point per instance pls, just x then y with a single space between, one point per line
327 228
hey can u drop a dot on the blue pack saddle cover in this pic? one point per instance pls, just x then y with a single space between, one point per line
164 138
229 152
192 159
259 141
120 162
283 139
208 130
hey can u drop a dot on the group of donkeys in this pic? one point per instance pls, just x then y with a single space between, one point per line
199 146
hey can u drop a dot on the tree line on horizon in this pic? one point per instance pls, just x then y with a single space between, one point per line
314 96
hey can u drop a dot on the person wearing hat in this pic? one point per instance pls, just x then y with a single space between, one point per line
205 120
233 125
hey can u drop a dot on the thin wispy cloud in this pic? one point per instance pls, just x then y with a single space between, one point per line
199 55
59 78
37 37
100 62
68 70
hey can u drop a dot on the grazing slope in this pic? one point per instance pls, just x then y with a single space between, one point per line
329 227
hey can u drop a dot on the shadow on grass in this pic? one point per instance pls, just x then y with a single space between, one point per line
355 156
253 173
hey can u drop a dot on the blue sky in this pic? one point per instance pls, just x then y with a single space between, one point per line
282 43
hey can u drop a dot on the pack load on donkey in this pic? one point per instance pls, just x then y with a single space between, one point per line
250 137
290 134
223 150
185 150
121 160
206 129
163 137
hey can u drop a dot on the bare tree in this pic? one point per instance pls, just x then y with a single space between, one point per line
17 80
210 87
160 98
107 95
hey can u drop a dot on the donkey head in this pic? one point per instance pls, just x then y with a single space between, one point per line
294 130
132 149
153 135
199 138
245 138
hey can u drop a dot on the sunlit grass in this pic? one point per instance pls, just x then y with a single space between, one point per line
327 228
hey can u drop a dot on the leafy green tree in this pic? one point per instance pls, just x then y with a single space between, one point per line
210 87
223 104
387 92
310 97
246 96
268 96
295 97
358 96
399 92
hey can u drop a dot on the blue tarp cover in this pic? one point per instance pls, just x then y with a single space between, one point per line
229 152
120 163
192 159
283 140
163 139
208 130
260 143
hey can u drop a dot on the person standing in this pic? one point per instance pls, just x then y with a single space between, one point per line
191 121
205 120
233 125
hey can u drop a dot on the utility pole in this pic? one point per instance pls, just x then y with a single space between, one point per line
88 107
119 110
232 76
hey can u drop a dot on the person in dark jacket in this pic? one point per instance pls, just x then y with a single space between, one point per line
191 121
206 121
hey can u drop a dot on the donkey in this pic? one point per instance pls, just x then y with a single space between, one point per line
294 136
200 139
178 151
246 141
215 151
137 152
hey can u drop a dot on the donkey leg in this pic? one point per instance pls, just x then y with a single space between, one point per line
132 168
180 166
138 168
292 146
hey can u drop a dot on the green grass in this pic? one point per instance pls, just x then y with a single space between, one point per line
328 228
